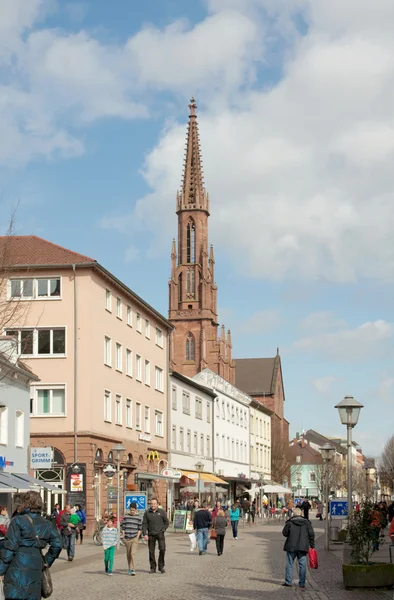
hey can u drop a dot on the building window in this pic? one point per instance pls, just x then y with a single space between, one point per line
195 443
3 425
180 289
19 428
181 439
108 300
191 243
159 337
147 372
208 445
228 412
40 342
208 412
173 438
237 416
158 423
186 402
202 444
298 459
119 308
174 399
118 409
159 379
190 283
147 329
107 351
189 441
138 416
138 322
198 408
107 406
138 364
118 357
49 402
35 289
190 347
129 362
147 419
129 413
129 315
312 476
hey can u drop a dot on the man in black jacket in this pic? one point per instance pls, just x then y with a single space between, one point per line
154 524
300 536
202 522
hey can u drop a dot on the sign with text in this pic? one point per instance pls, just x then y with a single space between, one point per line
41 458
338 508
179 522
76 484
139 498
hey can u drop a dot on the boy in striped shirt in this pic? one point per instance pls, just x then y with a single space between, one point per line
110 539
131 531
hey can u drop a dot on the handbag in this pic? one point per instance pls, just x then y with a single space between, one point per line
46 579
213 531
313 560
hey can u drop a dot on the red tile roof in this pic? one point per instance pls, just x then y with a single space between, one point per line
30 250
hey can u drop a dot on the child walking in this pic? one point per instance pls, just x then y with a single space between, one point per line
110 539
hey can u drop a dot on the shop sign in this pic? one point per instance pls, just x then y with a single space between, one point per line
41 458
171 473
76 482
112 494
5 463
109 470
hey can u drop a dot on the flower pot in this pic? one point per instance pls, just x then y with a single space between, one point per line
368 576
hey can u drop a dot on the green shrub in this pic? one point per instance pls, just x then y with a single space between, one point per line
363 533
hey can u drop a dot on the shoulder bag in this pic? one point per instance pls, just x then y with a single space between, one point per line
46 579
213 531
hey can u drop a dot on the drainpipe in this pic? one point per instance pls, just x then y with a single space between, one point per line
75 368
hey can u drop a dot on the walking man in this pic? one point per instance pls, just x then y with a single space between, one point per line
202 522
131 530
306 507
68 530
300 536
154 524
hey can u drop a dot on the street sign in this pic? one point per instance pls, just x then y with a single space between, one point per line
338 508
139 498
109 470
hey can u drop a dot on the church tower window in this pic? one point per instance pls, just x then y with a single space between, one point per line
180 287
190 347
191 243
191 282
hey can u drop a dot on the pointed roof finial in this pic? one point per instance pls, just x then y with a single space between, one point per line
173 249
193 107
277 351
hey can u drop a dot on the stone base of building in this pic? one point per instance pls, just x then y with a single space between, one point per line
83 476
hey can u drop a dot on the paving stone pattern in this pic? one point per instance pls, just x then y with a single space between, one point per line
251 567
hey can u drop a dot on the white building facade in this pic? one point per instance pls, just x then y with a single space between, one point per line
231 429
260 445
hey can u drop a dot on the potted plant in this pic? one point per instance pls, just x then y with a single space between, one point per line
363 538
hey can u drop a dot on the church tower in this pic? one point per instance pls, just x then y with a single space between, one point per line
196 343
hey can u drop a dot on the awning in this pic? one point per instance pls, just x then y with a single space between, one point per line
7 480
207 477
276 489
33 482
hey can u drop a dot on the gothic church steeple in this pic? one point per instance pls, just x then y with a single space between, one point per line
195 344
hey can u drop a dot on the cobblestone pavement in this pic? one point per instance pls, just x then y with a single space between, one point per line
251 567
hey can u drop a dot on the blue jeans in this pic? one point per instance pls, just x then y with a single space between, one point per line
290 558
202 539
69 544
234 527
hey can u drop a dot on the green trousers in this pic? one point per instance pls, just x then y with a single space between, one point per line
109 555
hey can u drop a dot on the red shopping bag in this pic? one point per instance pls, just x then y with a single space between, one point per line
313 560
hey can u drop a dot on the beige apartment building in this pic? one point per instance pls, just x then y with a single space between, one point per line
260 445
101 354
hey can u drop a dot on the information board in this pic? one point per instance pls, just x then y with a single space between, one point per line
179 520
338 508
138 497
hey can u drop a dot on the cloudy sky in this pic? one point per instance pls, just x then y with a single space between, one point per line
296 123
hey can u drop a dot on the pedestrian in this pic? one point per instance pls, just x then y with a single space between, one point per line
216 509
300 536
110 539
55 513
390 511
391 531
4 522
306 507
253 510
131 532
82 524
319 511
154 525
220 524
68 530
234 520
246 508
21 560
202 523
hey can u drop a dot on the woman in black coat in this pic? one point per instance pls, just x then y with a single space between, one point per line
220 524
21 561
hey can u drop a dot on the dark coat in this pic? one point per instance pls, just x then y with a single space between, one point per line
220 524
21 560
154 522
300 535
202 519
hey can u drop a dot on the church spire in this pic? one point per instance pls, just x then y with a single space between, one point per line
193 194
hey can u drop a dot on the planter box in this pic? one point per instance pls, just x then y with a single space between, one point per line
368 576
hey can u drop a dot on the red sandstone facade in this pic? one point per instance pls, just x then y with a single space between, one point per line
195 343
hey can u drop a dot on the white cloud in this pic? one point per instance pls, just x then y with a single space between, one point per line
386 389
132 253
371 339
321 321
323 384
260 321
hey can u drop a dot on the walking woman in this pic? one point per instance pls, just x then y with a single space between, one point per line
234 519
21 560
82 525
220 524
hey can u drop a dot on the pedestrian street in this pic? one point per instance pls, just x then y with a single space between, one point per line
251 567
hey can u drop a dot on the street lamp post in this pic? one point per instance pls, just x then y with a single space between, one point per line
199 467
118 453
327 452
366 482
349 412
